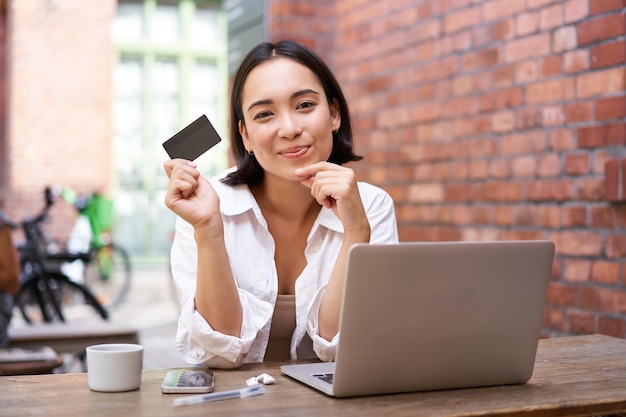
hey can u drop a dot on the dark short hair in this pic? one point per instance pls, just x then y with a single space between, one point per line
248 169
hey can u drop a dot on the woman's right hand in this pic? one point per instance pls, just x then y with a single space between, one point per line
190 195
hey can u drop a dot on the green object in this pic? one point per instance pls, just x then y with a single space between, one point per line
99 211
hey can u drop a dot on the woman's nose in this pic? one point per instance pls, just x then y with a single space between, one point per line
289 127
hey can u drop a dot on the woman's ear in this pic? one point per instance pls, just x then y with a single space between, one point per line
335 116
244 135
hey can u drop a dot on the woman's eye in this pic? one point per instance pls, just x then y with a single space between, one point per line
261 115
306 105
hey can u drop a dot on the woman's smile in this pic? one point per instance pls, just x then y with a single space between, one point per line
294 152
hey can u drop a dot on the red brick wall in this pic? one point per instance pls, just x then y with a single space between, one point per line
59 91
493 120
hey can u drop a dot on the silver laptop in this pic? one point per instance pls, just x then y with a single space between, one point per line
430 316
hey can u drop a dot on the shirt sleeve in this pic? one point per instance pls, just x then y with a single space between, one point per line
384 230
196 341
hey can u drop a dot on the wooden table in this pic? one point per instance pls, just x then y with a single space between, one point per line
574 376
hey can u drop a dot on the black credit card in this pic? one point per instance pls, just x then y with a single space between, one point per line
194 140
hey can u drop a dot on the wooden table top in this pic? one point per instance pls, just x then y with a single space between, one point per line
580 375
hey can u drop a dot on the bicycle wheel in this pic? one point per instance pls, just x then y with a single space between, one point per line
108 275
53 297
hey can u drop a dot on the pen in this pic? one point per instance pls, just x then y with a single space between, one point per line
224 395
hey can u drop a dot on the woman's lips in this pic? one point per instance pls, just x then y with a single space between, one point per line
295 152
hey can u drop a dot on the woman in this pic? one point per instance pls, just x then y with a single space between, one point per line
260 252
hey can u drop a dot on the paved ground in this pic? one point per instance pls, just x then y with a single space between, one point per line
152 309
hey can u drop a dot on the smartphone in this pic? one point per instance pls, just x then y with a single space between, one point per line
185 381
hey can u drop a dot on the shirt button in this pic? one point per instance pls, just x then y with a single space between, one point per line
316 248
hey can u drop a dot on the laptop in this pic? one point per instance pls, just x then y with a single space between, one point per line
424 316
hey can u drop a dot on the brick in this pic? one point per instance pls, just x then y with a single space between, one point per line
613 178
426 193
503 76
606 272
524 166
548 216
536 4
604 217
561 295
499 168
550 190
602 135
527 47
497 9
616 246
378 84
577 164
582 322
502 191
564 39
601 28
461 19
601 82
562 140
552 116
612 326
599 159
577 243
548 165
550 91
516 234
576 10
551 17
608 54
551 65
590 189
604 300
523 215
576 61
610 108
503 121
579 112
602 6
556 320
460 192
478 170
519 143
511 97
527 118
462 41
574 216
480 59
526 23
526 71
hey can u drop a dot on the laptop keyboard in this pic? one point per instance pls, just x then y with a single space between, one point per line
327 377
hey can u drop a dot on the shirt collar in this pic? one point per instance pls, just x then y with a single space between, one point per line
239 199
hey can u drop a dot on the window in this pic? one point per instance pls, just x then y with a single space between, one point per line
171 68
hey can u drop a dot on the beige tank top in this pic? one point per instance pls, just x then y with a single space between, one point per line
281 331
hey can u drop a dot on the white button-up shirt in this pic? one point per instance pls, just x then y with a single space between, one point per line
250 247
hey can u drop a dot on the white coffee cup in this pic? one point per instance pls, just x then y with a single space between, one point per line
114 367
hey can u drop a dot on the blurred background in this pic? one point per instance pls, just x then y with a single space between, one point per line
485 120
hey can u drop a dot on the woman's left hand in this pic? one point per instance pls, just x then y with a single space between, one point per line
335 187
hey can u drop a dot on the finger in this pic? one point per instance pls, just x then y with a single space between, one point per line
170 165
313 169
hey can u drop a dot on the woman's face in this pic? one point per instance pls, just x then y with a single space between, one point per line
288 122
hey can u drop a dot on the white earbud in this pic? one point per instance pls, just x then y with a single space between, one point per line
265 379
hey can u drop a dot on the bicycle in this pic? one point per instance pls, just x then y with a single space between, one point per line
45 295
103 266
